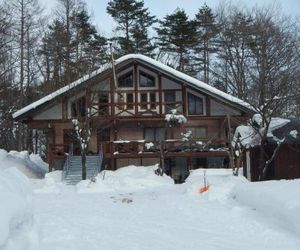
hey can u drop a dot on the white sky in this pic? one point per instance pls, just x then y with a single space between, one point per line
160 8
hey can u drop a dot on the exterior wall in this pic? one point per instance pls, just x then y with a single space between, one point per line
53 113
167 84
130 132
218 109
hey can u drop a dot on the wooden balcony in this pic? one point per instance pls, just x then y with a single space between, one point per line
169 148
132 103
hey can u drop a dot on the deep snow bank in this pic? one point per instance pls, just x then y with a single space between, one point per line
30 165
126 178
278 201
16 218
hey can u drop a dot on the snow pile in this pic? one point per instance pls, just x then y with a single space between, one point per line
31 165
16 218
129 178
52 183
221 183
174 117
277 201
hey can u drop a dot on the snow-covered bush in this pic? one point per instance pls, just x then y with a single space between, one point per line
176 118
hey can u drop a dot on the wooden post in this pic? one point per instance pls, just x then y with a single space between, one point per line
231 154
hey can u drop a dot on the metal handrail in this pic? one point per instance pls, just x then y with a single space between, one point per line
66 166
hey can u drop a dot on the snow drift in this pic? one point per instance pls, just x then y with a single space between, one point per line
276 200
16 216
126 178
31 165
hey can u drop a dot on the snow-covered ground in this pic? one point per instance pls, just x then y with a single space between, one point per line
132 208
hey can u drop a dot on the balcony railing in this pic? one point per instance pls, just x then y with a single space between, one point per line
135 106
140 147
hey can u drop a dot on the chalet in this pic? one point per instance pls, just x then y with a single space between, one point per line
129 115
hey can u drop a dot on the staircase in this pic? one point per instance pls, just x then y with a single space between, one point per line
72 173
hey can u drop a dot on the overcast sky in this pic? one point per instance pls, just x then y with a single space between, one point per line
160 8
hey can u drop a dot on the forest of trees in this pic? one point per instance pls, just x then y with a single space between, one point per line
253 54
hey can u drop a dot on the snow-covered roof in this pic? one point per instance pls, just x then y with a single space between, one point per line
187 79
249 137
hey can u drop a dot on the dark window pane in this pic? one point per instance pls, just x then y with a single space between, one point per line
129 101
195 105
150 134
160 134
198 132
153 100
170 101
154 134
103 104
126 80
143 101
78 108
146 80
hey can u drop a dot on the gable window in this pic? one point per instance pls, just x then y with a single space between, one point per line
146 80
170 101
195 105
126 80
154 134
78 108
198 132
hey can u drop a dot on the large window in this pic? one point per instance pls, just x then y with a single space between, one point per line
78 108
126 80
195 105
154 134
198 132
146 80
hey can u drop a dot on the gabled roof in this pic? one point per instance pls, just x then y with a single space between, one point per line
218 94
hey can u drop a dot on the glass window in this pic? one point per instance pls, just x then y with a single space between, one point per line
195 105
126 80
198 132
144 101
154 134
170 100
146 80
78 108
153 100
103 104
129 100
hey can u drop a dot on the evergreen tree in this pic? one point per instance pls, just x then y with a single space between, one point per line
67 58
133 21
207 31
177 35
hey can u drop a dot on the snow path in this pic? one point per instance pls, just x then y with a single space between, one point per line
169 217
